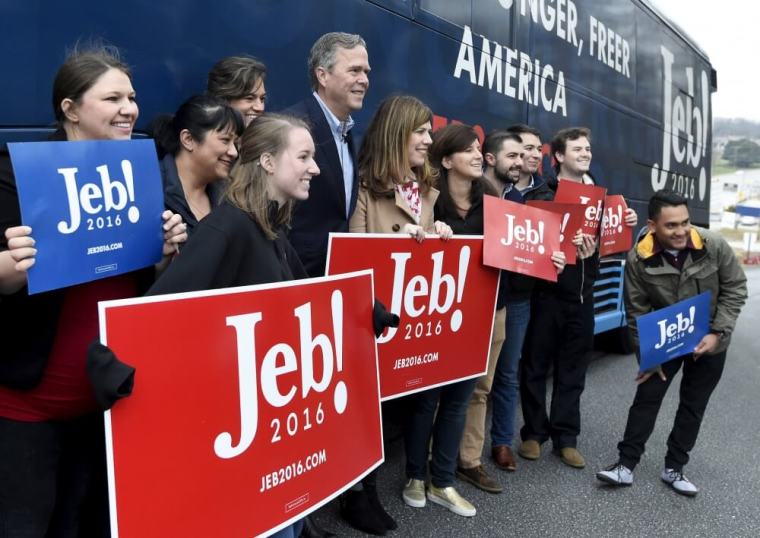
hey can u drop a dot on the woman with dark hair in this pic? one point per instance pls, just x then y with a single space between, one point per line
439 413
243 240
198 148
52 452
239 80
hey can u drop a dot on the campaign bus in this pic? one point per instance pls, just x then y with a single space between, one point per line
619 67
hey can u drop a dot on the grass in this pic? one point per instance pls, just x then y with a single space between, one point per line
721 167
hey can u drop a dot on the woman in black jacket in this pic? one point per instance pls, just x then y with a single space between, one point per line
243 240
198 149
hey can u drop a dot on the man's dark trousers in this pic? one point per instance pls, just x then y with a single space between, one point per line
561 335
700 378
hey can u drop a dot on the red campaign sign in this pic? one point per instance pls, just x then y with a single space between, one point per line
444 296
616 236
591 196
520 238
237 425
572 220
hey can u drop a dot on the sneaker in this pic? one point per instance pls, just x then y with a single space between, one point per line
676 480
617 475
414 493
478 477
530 449
451 499
570 456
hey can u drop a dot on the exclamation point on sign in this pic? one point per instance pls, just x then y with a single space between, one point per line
692 309
562 227
620 219
541 237
464 261
340 397
133 213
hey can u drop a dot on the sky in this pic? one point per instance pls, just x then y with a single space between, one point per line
729 32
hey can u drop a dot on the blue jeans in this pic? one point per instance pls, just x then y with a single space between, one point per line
505 389
291 531
446 427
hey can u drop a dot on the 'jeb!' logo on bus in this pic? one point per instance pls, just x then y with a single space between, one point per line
94 199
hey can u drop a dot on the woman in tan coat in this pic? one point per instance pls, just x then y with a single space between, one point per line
396 195
397 192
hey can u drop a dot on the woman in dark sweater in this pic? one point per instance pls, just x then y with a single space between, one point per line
243 241
440 412
198 149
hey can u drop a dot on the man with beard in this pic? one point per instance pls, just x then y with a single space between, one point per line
505 389
565 310
503 156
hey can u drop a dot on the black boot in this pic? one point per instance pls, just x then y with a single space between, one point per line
356 510
377 507
312 530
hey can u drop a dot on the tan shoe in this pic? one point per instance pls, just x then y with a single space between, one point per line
530 449
570 456
451 499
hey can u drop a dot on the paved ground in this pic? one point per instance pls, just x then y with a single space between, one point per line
546 498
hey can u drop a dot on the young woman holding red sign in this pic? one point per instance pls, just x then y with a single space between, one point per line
52 453
243 240
198 148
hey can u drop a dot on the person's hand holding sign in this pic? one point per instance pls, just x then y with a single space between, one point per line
19 257
559 261
443 230
630 218
417 232
707 345
175 233
21 247
585 243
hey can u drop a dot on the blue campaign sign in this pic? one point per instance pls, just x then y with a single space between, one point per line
94 208
673 331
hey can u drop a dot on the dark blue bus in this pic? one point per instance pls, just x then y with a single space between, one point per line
618 67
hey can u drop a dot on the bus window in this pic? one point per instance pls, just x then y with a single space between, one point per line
459 13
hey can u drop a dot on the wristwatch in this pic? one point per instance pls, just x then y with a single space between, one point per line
721 334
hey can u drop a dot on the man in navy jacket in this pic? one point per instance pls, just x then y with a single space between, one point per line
339 75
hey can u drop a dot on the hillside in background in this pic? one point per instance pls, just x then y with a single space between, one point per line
735 128
736 145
